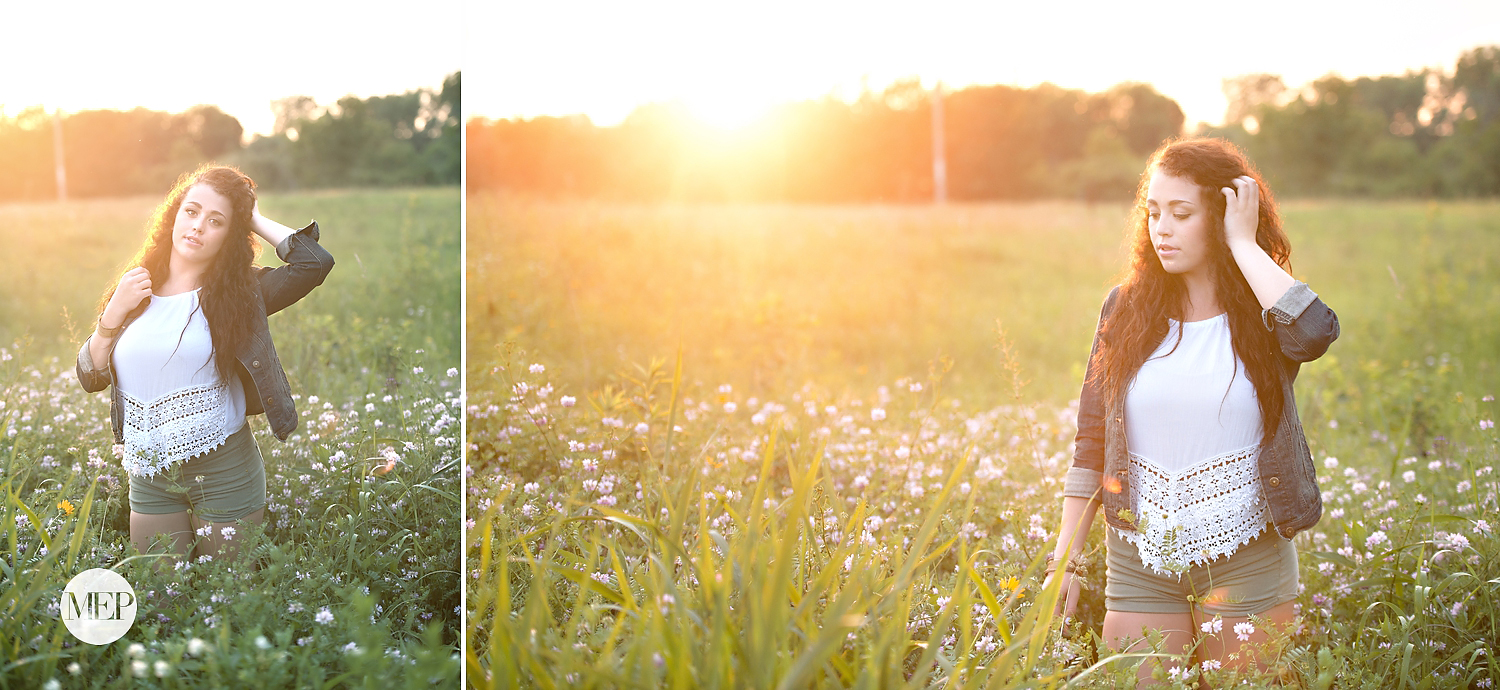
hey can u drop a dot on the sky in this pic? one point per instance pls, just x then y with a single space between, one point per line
170 56
731 61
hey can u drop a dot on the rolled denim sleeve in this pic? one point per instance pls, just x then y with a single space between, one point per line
1084 477
1303 325
93 379
307 265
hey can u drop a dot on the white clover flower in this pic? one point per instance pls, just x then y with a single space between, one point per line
75 668
136 650
261 642
1330 462
452 372
324 617
139 668
162 668
1409 476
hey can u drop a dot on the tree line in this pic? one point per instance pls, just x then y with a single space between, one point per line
412 138
1427 133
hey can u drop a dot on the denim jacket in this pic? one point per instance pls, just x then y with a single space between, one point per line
1304 328
266 388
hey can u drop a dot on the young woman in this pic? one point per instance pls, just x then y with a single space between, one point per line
184 342
1188 433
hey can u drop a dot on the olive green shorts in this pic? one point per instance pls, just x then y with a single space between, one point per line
222 485
1256 577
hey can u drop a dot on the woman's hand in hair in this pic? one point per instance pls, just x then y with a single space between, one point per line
134 286
268 230
1241 211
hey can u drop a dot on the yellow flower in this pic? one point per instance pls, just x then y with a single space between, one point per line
66 507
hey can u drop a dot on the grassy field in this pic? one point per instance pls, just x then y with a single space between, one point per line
823 446
356 580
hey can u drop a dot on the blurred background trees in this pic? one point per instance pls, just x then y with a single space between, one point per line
403 139
1427 133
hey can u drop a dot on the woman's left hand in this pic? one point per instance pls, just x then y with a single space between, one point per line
1241 210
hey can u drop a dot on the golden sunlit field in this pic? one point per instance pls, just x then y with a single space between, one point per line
849 477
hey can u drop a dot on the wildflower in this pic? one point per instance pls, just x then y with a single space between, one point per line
227 532
642 429
138 668
416 370
1214 626
1481 527
204 531
1409 476
567 401
161 667
1330 463
537 368
51 684
1458 607
1456 541
353 648
75 668
730 407
1244 630
66 507
1375 539
877 414
452 372
324 617
261 642
1486 424
1212 664
136 649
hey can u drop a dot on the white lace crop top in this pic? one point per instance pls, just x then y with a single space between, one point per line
1192 424
175 404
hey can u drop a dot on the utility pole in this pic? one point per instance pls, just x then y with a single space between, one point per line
57 155
939 158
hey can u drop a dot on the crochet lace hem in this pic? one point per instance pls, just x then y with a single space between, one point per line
174 427
1194 516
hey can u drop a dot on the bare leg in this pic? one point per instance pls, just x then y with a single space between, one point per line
1229 650
178 536
221 547
1124 632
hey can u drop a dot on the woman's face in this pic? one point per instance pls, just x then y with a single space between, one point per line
1178 224
201 226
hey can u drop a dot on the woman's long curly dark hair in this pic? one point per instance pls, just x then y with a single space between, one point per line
1149 295
228 294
